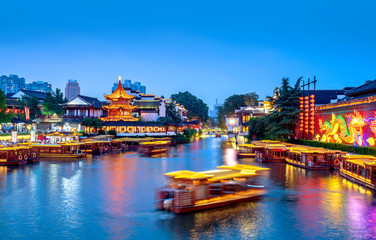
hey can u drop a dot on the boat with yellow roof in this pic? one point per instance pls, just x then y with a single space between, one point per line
190 191
247 150
153 147
360 169
61 150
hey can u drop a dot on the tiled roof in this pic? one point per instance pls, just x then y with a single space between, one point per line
93 101
324 96
364 89
132 123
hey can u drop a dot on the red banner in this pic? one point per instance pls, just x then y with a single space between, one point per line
27 113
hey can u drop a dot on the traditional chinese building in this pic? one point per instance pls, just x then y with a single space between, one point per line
120 116
349 121
119 108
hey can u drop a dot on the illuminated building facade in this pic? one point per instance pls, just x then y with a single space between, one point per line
244 114
350 122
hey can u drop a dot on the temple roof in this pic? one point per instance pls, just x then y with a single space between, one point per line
118 106
125 118
119 93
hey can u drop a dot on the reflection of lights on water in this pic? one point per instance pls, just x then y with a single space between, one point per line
230 157
164 165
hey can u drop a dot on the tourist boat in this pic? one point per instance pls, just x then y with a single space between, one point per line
271 153
96 147
30 154
360 169
61 150
152 148
333 157
218 135
190 191
117 145
247 150
306 157
13 155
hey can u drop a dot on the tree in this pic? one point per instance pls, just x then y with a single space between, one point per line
4 116
221 117
58 94
257 127
239 100
197 109
172 113
93 122
251 99
32 103
283 119
52 101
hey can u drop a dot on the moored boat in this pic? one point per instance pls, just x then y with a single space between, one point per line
61 150
13 155
305 157
271 153
152 148
360 169
190 191
247 150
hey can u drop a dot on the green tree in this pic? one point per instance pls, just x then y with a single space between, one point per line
58 94
172 113
32 103
257 126
282 121
93 122
221 117
52 103
4 116
197 109
239 100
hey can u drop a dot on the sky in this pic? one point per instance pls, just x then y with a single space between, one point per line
211 48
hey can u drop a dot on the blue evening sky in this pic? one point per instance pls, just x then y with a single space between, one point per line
211 48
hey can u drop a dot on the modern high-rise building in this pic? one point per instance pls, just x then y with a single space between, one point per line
11 84
72 89
127 84
39 86
14 84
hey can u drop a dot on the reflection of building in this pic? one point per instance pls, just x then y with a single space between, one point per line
72 89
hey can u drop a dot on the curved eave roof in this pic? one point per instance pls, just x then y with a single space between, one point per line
119 93
125 107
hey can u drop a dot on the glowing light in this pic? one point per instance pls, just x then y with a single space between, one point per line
232 121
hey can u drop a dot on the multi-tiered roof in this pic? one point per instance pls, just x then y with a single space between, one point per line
119 108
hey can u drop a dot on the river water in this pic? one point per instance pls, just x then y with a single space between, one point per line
111 197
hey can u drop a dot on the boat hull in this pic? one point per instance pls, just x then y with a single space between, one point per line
246 155
307 167
57 155
253 194
13 163
360 182
271 160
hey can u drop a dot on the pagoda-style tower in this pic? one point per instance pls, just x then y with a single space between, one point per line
119 108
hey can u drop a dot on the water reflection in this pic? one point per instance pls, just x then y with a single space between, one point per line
111 196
